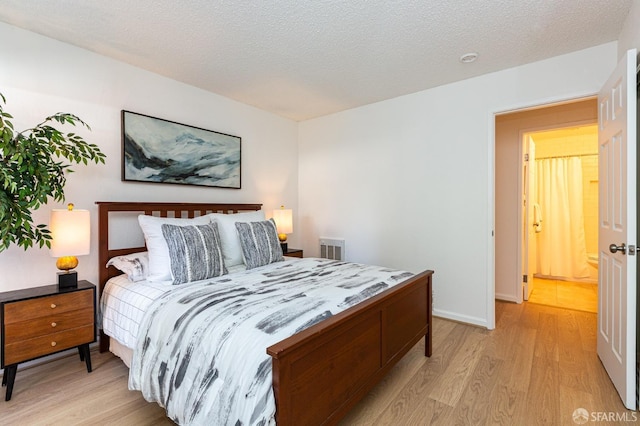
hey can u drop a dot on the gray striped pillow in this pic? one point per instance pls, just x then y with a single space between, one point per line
259 242
194 252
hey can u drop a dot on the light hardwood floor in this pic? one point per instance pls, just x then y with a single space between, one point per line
536 367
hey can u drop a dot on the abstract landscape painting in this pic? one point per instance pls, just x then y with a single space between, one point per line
156 150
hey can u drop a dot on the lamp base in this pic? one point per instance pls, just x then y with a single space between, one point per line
285 247
68 279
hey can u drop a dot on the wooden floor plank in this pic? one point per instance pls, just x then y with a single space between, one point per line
473 408
517 370
506 405
543 395
573 368
571 400
450 385
547 337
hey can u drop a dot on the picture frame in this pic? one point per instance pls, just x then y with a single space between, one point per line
162 151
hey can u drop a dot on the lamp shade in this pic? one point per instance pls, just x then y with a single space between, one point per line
70 232
284 220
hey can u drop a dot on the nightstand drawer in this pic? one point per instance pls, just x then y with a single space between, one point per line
293 253
33 348
42 326
45 306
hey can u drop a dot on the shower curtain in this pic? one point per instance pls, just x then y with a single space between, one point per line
562 250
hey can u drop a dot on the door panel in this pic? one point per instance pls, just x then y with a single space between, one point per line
617 226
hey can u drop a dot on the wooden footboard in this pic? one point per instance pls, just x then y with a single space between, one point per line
321 372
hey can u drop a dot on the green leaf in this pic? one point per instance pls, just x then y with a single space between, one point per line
33 165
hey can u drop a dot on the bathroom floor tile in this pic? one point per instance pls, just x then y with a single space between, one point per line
565 294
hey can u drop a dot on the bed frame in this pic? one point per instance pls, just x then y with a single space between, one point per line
323 371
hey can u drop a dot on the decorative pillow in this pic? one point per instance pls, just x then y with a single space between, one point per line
194 251
134 265
259 242
229 236
159 263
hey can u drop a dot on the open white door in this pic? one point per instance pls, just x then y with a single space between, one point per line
617 228
530 219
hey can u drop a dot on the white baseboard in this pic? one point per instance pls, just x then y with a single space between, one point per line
506 297
482 322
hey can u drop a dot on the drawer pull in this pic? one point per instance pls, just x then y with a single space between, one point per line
53 306
53 343
53 324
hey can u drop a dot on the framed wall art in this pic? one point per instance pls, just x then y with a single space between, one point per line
162 151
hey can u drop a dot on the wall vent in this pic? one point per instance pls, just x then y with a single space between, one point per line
332 248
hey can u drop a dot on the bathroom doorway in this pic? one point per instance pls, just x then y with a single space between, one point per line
560 224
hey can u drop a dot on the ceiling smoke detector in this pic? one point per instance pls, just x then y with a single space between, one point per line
468 57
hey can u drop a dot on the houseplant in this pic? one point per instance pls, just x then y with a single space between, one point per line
33 164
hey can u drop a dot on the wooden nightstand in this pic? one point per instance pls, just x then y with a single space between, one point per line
293 252
41 321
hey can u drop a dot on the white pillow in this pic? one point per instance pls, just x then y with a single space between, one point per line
159 260
134 265
231 248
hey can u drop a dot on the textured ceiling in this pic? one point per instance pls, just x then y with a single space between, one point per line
307 58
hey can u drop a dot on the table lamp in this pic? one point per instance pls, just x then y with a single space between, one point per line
70 237
284 223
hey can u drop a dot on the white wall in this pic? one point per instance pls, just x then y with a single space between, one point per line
629 37
409 182
40 76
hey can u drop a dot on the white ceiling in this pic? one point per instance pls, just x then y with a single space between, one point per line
307 58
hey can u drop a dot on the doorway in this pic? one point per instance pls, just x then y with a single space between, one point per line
510 128
560 224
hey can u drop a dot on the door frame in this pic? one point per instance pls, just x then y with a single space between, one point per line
528 235
516 275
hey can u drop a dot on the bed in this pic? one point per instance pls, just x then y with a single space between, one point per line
319 373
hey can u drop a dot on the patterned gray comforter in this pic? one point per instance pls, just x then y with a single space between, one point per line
201 353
